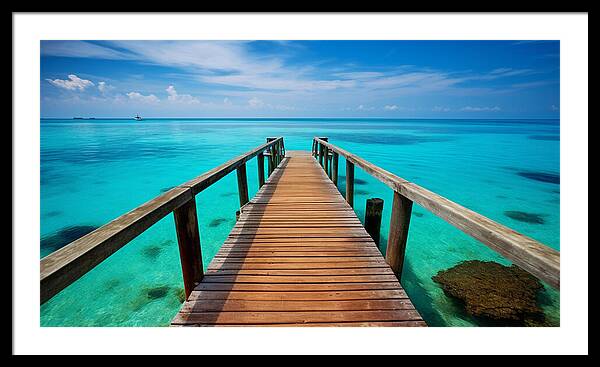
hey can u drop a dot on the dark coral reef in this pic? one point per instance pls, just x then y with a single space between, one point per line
506 295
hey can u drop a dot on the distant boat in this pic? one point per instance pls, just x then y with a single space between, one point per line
137 117
77 118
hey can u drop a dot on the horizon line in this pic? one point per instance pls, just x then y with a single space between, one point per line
309 117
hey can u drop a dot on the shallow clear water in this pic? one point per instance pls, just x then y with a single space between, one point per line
94 171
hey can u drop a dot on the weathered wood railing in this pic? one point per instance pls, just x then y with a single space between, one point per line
64 266
529 254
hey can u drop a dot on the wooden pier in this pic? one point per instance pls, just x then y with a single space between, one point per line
298 255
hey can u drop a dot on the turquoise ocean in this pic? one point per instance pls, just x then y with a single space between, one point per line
92 171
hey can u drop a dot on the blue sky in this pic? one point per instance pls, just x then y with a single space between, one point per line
395 79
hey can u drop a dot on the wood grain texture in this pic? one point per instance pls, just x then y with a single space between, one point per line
532 256
298 256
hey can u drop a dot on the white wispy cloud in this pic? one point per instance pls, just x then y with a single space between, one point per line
72 83
81 49
500 71
255 102
554 108
534 84
138 97
390 107
180 98
481 109
200 55
277 82
440 109
421 80
104 88
359 75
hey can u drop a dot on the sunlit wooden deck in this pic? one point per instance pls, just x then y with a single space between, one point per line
298 256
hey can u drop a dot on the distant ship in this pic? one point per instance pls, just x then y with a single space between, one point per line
137 117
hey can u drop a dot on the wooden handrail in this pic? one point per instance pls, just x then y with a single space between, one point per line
64 266
529 254
206 179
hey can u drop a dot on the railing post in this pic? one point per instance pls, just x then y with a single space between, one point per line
275 155
399 223
279 152
326 161
242 184
321 148
270 162
334 168
373 218
261 169
350 183
188 238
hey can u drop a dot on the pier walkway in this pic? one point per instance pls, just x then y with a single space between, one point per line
298 255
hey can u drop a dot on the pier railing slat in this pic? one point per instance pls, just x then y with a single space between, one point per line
529 254
64 266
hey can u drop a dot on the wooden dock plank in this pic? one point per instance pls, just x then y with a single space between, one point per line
298 256
298 296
